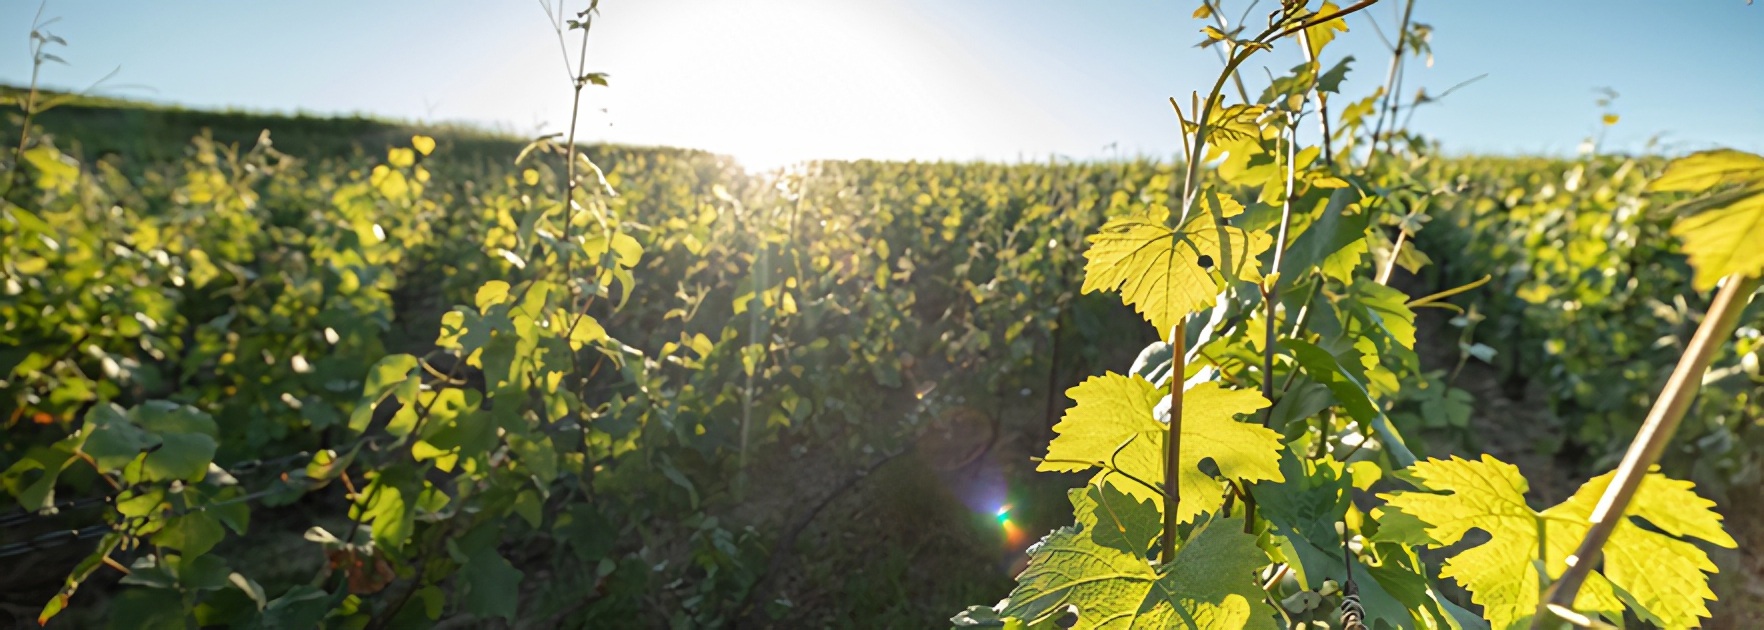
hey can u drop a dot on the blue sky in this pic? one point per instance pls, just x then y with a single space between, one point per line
771 81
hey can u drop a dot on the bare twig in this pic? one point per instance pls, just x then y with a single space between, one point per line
1387 107
1322 101
1224 27
1429 100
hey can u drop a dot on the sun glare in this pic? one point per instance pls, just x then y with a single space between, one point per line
778 81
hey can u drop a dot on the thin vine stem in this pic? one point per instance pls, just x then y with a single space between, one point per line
1271 296
1196 152
1173 442
30 101
1317 95
579 81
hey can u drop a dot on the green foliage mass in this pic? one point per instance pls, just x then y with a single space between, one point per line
408 321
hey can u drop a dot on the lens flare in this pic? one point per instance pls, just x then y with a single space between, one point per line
1014 534
1015 537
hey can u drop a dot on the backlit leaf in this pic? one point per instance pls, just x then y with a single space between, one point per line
1167 274
1209 584
1661 577
1316 37
1114 519
1113 423
1663 572
1721 232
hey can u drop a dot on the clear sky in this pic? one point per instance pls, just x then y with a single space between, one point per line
771 81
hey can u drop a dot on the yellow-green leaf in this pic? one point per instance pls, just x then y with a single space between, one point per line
390 183
583 330
1320 35
1664 574
1662 577
400 157
492 293
54 171
1721 232
1167 274
1114 426
1072 582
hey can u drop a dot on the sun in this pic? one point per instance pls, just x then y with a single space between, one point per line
775 82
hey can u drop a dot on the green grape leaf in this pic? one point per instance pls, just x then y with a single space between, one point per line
627 252
401 157
179 441
395 375
35 492
1720 231
1166 275
387 505
200 573
146 609
187 440
1114 519
183 456
490 294
303 606
1114 426
1402 574
985 617
54 171
1383 308
1330 80
492 584
1332 232
1303 511
1210 583
110 439
1347 382
1232 123
194 534
1657 575
583 329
